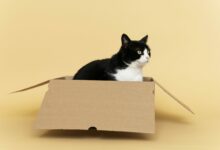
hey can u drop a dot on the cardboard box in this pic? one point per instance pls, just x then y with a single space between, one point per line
103 105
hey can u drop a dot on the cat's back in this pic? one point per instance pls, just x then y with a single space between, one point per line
95 70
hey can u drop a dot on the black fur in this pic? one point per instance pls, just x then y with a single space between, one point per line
102 69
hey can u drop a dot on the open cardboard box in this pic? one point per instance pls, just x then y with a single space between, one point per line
104 105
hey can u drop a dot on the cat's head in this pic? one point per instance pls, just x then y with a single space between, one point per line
135 52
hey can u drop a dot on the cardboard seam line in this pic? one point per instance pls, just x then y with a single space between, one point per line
156 82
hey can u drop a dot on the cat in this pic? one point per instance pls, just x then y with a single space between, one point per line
125 65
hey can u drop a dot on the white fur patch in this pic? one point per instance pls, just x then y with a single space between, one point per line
134 70
129 74
144 58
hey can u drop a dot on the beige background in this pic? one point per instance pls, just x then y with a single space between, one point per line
43 39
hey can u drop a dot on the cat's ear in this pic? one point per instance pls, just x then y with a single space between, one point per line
125 39
144 39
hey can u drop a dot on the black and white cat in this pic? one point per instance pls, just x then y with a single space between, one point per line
125 65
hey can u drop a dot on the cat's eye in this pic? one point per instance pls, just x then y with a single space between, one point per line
139 52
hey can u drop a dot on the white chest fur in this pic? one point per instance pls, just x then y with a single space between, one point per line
129 74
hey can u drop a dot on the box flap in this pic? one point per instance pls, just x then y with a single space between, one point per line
105 105
146 79
39 84
174 97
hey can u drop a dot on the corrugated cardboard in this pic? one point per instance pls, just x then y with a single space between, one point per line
104 105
